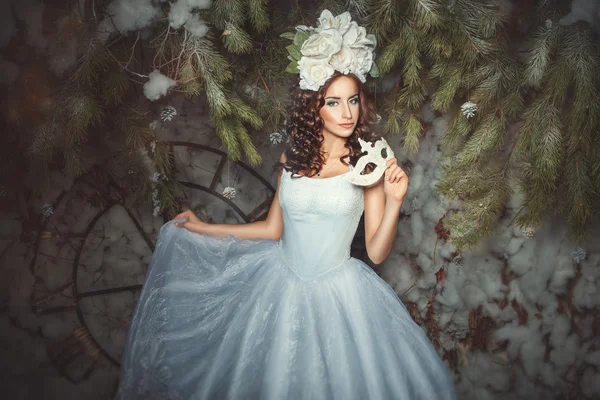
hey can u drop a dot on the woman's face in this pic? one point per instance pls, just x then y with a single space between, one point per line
342 107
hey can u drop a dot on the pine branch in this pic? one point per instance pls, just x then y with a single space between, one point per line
115 87
385 18
459 129
75 164
259 16
246 113
483 192
426 14
190 79
226 130
82 111
359 9
542 50
581 193
390 54
393 111
413 128
93 59
228 11
247 144
236 40
335 6
451 78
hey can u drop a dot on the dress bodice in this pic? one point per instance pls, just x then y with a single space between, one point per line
320 217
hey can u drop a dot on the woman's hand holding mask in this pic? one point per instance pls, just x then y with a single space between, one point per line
395 182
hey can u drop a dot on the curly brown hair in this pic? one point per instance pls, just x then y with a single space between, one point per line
305 126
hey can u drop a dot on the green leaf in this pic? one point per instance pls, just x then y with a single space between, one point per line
288 35
374 72
300 38
294 51
293 67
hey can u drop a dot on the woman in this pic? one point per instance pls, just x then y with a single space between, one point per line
277 309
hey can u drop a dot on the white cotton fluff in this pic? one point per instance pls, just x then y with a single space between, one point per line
526 343
450 296
585 294
418 229
484 371
181 14
523 258
561 326
593 358
583 10
425 263
126 16
590 384
196 27
158 85
472 295
402 277
565 356
178 14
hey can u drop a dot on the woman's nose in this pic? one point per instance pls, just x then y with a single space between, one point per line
346 112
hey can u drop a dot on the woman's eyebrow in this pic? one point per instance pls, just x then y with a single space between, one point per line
339 98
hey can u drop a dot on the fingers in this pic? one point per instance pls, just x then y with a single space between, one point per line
186 214
180 215
395 174
184 224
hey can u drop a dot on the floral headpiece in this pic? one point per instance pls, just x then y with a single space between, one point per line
336 44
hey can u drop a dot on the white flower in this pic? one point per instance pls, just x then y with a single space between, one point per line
305 28
338 43
322 45
314 72
342 22
343 60
326 20
356 37
362 63
352 34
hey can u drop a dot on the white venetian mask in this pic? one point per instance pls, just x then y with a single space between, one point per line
374 155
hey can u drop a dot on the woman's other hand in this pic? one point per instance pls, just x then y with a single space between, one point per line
191 222
395 182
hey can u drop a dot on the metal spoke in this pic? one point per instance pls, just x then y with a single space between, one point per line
111 290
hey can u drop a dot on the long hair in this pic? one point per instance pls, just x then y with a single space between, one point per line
305 128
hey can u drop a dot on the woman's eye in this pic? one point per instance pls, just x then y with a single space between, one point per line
354 101
332 103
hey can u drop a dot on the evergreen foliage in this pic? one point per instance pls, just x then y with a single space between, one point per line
558 144
101 92
535 75
465 50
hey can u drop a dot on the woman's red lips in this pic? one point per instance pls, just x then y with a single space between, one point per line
346 125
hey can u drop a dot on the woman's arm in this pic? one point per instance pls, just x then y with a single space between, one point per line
382 211
271 228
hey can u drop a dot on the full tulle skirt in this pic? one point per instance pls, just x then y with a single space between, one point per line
226 318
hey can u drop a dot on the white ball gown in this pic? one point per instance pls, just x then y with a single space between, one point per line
230 318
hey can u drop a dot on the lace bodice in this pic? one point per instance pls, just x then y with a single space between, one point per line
320 217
